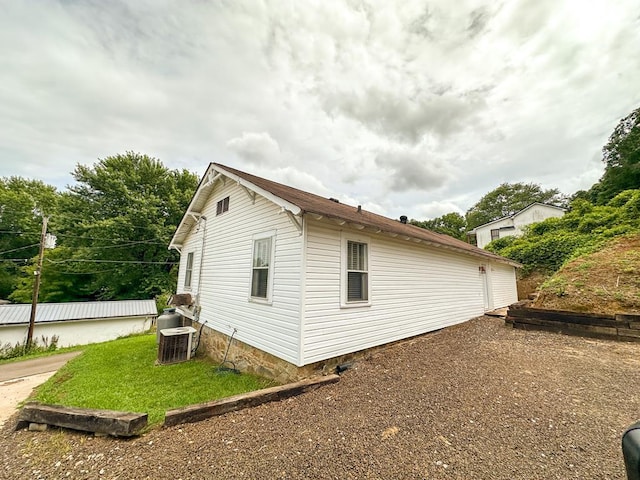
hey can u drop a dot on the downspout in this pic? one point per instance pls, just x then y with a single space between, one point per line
196 315
196 312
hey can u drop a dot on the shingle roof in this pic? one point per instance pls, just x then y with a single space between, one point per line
305 202
16 314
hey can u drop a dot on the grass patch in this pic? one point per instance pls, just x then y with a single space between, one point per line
122 375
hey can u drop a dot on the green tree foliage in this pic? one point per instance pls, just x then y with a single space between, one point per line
547 245
114 226
452 224
621 156
510 198
23 202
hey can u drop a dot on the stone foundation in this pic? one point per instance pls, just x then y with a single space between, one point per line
246 358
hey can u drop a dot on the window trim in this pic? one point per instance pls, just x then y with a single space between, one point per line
344 275
188 271
222 205
261 236
495 231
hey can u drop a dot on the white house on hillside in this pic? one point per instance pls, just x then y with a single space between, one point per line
513 224
300 280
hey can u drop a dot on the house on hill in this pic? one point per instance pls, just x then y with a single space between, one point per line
512 225
301 282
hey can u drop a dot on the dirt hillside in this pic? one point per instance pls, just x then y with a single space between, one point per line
607 281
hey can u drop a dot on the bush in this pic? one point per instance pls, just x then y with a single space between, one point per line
547 245
8 351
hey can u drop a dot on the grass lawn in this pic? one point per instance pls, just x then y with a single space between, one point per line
122 375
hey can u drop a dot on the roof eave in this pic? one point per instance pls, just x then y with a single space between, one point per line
394 234
293 208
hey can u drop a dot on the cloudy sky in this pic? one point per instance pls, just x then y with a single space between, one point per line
406 107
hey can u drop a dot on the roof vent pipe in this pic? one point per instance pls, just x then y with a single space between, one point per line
403 219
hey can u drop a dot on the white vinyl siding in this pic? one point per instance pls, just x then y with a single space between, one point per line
413 289
503 285
227 273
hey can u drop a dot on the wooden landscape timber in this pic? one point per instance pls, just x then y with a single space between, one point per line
196 413
107 422
621 326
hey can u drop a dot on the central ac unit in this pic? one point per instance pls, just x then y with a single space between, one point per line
175 345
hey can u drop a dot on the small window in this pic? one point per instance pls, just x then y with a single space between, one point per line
262 251
188 271
223 206
495 234
357 272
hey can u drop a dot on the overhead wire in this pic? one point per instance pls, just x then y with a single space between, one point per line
86 260
20 248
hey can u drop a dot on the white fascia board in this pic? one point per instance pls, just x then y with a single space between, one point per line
296 210
210 178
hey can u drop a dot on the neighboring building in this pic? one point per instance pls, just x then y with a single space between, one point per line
300 280
513 224
76 323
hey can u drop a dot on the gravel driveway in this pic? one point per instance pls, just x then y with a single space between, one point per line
475 401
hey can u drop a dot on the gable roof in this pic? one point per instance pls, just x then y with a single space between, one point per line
18 314
299 202
519 212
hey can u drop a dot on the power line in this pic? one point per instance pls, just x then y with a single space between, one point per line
81 260
149 241
20 248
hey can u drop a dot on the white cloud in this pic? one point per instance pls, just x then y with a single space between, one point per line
256 148
405 107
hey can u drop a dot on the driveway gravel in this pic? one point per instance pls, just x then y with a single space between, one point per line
475 401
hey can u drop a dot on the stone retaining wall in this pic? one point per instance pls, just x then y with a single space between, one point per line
246 358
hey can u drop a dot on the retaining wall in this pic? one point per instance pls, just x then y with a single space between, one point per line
621 326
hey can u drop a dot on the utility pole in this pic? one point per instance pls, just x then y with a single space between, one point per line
36 283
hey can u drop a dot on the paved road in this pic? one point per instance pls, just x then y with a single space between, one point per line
36 366
18 379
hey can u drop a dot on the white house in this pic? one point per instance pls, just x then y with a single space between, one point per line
514 224
76 323
299 280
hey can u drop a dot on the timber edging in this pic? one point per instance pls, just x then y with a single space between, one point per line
196 413
108 422
621 326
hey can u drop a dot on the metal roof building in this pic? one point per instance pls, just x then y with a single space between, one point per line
17 314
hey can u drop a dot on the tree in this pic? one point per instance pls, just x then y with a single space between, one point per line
114 226
621 156
452 224
510 198
23 202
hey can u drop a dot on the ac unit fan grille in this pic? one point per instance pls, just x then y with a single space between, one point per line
174 348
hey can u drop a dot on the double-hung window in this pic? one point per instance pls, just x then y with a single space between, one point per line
188 271
495 234
262 267
355 272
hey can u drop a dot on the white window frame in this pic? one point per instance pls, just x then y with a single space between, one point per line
262 236
188 271
494 232
344 264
